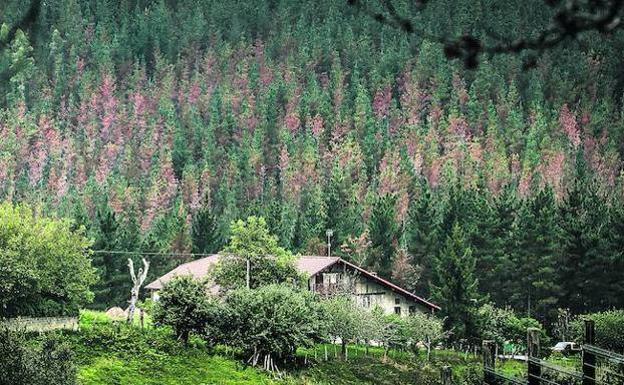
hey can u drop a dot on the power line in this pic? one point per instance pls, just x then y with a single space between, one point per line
151 253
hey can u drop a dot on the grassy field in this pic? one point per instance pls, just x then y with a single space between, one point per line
519 369
112 354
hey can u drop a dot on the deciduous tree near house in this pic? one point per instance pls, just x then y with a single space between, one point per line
253 258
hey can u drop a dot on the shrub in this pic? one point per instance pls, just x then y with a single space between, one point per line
124 340
30 362
609 329
270 323
501 325
185 306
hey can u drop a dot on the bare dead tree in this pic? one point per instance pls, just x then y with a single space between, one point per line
571 18
137 282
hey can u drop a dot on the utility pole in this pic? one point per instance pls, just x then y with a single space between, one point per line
248 277
329 234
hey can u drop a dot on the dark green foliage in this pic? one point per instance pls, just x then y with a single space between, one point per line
112 268
205 232
536 287
587 248
609 328
272 320
455 286
384 235
422 237
26 361
251 242
184 305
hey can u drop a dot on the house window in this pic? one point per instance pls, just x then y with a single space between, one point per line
397 310
397 301
366 301
412 310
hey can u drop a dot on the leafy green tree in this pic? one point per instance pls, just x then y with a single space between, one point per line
455 287
609 323
502 325
426 329
251 245
345 320
183 304
45 266
269 323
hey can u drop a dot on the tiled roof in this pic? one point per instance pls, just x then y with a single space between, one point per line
198 269
309 264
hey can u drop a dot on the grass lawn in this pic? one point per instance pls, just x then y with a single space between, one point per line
519 368
182 369
110 354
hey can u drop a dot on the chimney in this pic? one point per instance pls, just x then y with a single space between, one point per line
373 273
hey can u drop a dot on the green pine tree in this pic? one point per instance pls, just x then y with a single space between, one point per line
455 286
205 232
384 235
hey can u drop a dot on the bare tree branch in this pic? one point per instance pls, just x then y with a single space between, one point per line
24 24
571 18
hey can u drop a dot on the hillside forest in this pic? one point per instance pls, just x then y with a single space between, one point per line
156 124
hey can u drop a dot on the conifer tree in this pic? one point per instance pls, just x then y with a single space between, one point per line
455 286
536 289
384 235
422 236
585 245
110 266
205 233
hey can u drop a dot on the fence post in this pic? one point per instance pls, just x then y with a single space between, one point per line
533 347
489 361
589 359
446 375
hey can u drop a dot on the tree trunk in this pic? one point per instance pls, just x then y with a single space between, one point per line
137 282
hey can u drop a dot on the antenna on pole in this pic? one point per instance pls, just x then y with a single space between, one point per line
329 234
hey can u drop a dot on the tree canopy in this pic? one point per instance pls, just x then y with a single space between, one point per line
44 264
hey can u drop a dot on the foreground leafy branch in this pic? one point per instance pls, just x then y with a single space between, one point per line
570 19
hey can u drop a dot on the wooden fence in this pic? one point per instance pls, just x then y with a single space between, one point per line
40 324
599 366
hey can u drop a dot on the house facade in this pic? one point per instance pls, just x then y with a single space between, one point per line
325 276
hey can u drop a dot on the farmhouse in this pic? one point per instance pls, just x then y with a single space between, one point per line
326 275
